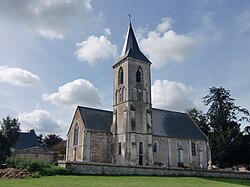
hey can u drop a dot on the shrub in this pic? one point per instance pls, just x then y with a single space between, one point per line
54 170
36 166
32 165
36 175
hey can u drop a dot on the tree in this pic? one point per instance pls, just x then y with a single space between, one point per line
59 147
3 150
200 119
224 120
247 130
9 133
52 139
40 139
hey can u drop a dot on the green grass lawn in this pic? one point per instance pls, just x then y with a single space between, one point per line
120 181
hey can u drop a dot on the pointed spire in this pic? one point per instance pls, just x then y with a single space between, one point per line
131 48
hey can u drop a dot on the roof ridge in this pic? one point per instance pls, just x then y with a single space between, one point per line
96 109
169 110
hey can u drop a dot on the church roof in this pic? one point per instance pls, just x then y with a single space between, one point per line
164 123
175 125
96 119
131 48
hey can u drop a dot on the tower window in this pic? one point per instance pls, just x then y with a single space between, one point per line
76 134
155 147
120 76
133 125
120 149
132 107
139 75
140 148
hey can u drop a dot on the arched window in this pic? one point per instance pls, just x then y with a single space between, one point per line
155 147
76 129
180 154
120 76
200 159
139 75
193 148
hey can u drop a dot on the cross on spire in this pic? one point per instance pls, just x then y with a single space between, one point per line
131 48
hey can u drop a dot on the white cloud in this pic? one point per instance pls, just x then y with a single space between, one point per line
107 31
78 92
17 76
50 34
165 25
42 121
163 45
94 49
172 95
49 18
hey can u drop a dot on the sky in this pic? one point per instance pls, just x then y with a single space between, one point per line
58 54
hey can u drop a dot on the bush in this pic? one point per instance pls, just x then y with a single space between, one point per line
32 165
37 167
54 170
36 175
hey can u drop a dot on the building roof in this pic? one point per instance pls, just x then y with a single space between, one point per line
26 140
131 48
164 123
96 119
175 125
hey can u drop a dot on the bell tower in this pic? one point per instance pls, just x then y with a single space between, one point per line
132 113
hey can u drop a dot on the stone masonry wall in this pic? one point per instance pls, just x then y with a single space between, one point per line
100 147
167 152
36 153
108 169
74 152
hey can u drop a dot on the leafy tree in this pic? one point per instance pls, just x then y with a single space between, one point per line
10 128
200 119
247 130
9 133
60 147
241 152
52 139
40 139
224 120
3 148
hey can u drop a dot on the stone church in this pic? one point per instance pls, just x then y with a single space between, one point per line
134 133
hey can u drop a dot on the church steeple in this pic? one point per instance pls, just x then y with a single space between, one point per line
131 48
132 116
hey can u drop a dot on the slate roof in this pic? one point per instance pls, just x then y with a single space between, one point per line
131 48
96 119
164 123
26 140
175 125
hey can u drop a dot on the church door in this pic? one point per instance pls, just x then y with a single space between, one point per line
140 153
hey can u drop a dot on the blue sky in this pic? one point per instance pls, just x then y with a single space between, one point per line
57 54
